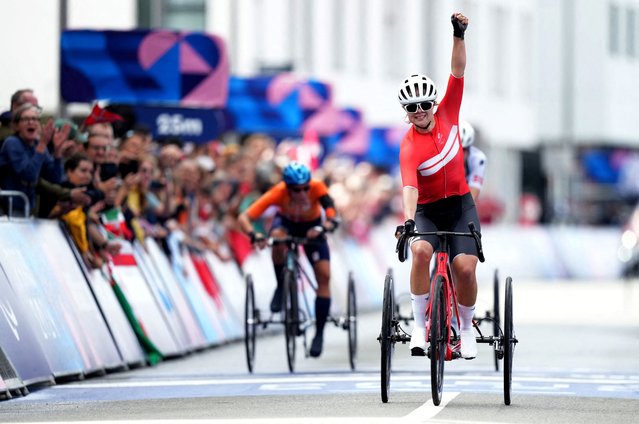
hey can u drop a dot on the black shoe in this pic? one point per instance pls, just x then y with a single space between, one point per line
316 345
276 303
417 351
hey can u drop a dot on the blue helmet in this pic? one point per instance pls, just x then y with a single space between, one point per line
296 173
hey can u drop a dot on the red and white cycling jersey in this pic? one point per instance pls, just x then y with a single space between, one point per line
434 162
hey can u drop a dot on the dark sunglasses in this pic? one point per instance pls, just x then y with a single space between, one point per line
300 189
423 106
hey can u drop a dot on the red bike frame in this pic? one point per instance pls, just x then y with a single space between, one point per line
442 268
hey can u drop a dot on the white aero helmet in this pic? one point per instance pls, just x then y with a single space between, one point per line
417 88
467 134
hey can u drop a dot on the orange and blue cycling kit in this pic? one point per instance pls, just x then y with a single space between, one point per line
309 210
299 215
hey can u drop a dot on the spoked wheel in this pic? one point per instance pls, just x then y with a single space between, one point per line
438 338
509 341
385 338
496 317
291 316
251 321
351 321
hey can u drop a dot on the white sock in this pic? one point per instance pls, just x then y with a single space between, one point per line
419 302
466 317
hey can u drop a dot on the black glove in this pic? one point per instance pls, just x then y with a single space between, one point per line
458 27
408 227
255 237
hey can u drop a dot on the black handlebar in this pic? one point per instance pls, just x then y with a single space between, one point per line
290 240
402 243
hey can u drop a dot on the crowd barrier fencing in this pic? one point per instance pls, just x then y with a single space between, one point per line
60 321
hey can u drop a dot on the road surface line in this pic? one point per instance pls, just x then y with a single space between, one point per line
428 410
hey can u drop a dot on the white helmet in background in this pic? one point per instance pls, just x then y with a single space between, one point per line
417 88
467 134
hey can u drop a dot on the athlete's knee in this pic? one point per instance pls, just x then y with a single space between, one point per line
322 272
464 268
422 252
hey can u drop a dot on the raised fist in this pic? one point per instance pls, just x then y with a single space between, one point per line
460 23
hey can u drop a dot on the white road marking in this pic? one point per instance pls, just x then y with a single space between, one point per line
363 380
428 410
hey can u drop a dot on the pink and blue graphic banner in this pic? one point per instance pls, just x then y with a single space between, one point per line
277 104
144 66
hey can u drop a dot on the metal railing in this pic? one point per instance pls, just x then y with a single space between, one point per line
14 193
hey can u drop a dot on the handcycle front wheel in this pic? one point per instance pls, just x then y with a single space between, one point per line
351 321
438 338
496 317
291 316
509 341
251 321
386 342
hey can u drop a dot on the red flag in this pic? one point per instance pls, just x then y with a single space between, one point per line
310 149
99 116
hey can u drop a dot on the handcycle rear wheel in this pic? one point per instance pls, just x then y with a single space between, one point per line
438 338
385 338
509 341
496 317
291 316
250 322
351 321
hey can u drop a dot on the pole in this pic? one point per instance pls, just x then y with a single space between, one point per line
62 105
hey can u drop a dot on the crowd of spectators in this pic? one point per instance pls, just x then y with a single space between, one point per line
104 187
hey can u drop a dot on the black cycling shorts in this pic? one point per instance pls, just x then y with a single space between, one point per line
316 251
449 214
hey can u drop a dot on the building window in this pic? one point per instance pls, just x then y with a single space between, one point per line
184 14
393 31
631 33
173 14
527 63
339 28
500 72
362 49
613 31
306 33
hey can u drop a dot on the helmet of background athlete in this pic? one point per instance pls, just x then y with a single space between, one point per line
467 134
417 88
296 173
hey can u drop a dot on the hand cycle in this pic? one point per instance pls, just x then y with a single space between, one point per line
444 341
295 317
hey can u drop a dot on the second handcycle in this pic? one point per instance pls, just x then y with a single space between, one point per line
296 315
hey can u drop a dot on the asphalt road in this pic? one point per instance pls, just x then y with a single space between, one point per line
577 361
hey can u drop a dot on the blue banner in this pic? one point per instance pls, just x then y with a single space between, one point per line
144 66
277 105
189 124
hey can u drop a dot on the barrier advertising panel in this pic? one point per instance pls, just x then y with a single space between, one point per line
162 297
121 330
197 287
69 275
232 287
18 338
46 307
141 299
190 289
229 320
194 333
